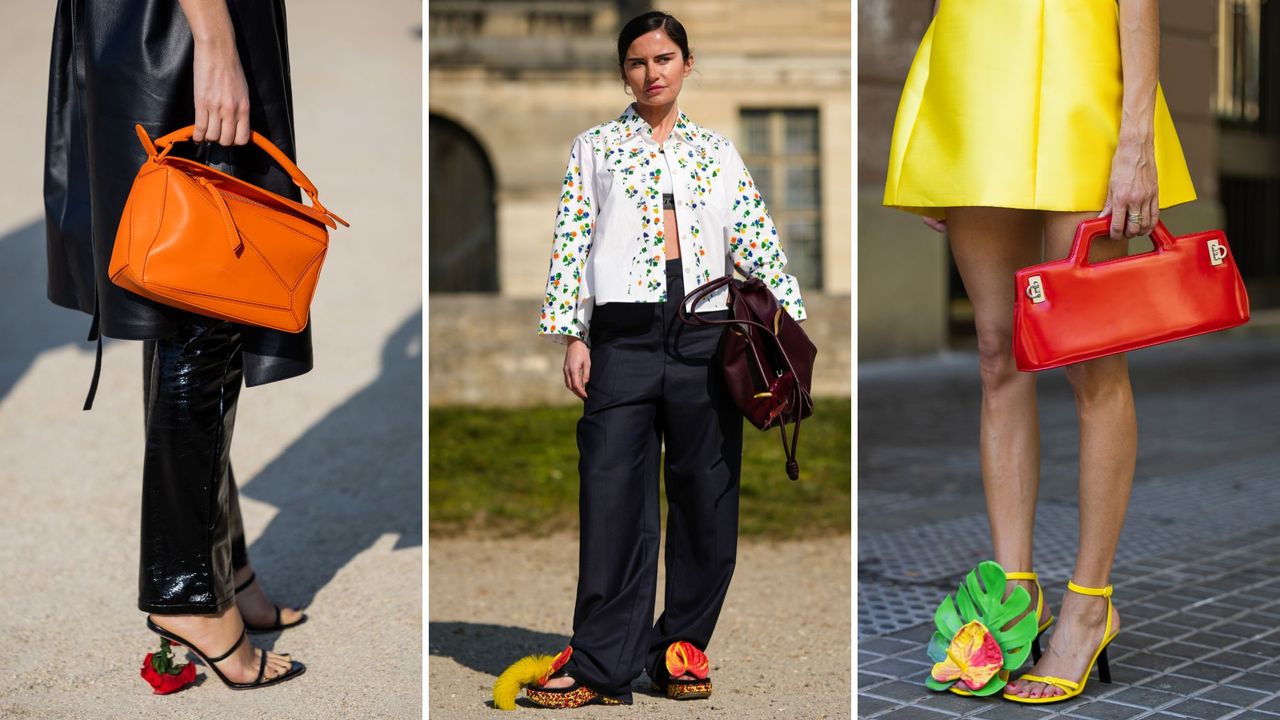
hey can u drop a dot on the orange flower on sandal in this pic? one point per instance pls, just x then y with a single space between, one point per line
683 657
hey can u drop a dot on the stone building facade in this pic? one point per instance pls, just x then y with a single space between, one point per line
510 85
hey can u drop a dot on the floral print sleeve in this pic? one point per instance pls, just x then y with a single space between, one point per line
753 239
565 311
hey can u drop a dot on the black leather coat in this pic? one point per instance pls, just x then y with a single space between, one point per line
120 62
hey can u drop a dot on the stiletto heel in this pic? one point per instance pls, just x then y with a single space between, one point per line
295 668
1072 688
1041 624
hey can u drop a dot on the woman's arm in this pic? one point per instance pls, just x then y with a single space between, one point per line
221 93
1133 189
753 239
564 310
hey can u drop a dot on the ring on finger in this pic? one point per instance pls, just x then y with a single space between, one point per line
1134 218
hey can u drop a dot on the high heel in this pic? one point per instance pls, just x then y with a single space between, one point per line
1042 624
295 668
1072 688
277 625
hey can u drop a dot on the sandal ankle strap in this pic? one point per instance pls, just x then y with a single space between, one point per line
1095 592
1032 577
246 583
1104 592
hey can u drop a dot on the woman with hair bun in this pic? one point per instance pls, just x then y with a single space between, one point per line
652 206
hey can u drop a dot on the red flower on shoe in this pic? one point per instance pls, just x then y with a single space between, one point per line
683 657
165 676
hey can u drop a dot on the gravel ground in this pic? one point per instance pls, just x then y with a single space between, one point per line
781 648
329 464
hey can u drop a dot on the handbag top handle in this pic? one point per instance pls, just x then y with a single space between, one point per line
166 143
1094 228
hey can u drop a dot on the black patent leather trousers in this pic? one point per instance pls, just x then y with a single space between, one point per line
192 534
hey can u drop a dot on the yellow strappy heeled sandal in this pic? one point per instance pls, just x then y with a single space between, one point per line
1072 688
1042 624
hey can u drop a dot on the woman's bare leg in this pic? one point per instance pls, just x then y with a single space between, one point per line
989 245
1108 452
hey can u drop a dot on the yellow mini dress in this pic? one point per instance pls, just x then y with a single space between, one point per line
1016 103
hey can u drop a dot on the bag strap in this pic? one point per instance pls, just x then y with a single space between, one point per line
95 334
793 466
165 144
699 295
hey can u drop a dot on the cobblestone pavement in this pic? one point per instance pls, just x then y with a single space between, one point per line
1197 575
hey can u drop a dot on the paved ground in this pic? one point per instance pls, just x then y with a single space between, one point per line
330 464
781 648
1198 571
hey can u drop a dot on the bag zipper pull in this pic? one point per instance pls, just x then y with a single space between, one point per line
228 222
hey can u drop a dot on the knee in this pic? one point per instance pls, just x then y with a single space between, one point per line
995 361
1100 380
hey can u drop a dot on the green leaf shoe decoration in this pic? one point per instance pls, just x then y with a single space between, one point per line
970 645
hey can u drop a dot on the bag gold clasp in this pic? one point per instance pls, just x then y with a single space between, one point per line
1217 252
1035 289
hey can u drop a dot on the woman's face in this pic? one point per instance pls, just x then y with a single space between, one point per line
655 69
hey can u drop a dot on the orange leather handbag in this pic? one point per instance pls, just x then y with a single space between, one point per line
201 240
1071 310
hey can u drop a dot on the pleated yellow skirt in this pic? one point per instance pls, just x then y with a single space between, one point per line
1016 103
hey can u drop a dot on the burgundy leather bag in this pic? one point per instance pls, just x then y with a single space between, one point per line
766 359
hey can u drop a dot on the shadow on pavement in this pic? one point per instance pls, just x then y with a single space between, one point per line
490 648
29 323
351 478
355 476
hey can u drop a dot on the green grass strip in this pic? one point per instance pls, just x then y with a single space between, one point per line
504 472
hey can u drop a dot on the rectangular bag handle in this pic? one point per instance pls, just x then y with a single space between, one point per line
166 143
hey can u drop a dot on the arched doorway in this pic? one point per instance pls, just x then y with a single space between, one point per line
463 243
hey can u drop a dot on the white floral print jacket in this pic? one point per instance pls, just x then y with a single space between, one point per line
608 243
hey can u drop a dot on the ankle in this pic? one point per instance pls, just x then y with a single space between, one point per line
1092 610
1029 585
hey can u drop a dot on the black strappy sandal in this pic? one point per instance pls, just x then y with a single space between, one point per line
275 627
295 668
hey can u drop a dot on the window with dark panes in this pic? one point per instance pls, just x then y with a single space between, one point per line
782 152
1239 93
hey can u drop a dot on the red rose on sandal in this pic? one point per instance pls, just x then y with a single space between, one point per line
165 676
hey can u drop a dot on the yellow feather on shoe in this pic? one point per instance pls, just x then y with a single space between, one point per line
524 671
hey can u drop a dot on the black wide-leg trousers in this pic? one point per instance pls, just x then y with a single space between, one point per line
653 382
192 534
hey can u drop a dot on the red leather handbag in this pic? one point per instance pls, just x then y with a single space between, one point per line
1071 310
